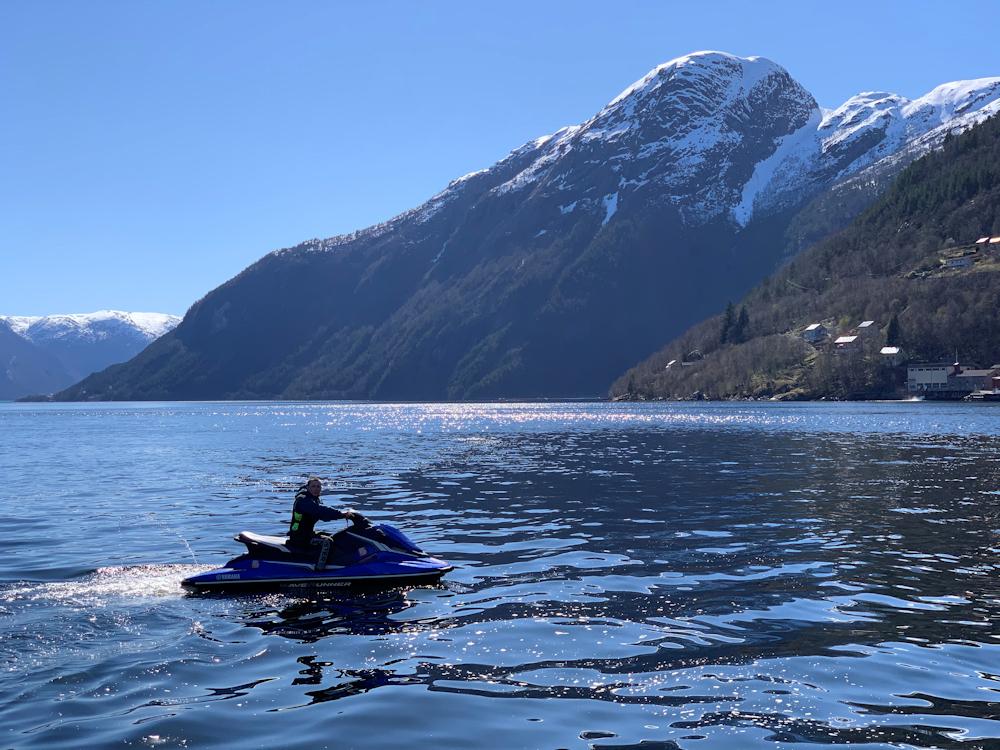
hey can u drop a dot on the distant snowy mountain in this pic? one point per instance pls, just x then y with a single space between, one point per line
67 348
567 261
92 327
26 369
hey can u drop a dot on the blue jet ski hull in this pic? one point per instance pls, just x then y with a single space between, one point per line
267 574
363 557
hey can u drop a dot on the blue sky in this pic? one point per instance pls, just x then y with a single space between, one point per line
150 151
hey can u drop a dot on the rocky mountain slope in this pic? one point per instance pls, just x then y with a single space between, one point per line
43 354
573 257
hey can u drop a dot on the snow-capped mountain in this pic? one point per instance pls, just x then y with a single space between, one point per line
718 135
92 327
566 261
70 347
688 134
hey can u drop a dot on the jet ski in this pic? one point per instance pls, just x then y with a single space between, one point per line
362 555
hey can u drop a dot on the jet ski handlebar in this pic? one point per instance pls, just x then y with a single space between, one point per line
358 520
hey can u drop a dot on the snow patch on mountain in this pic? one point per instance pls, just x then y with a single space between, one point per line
792 153
610 207
440 253
556 146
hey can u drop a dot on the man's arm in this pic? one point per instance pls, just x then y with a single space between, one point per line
322 512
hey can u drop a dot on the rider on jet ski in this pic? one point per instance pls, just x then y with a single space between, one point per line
362 555
306 511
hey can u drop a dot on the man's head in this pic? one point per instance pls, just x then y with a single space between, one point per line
314 487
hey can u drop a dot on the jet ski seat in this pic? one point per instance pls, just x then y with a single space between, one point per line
276 543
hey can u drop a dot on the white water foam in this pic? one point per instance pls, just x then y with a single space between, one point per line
108 584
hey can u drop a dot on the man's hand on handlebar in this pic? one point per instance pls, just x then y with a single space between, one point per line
355 518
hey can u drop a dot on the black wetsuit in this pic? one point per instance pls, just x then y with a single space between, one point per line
306 511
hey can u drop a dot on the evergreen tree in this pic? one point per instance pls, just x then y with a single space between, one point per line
728 321
742 322
892 331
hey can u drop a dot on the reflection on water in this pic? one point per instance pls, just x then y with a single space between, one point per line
654 576
309 620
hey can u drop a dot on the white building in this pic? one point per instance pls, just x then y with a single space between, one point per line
946 380
925 376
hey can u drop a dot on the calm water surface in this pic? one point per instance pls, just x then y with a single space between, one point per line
629 576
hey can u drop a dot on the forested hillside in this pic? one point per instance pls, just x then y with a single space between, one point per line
888 266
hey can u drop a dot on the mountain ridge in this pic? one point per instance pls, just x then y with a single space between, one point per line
92 324
836 130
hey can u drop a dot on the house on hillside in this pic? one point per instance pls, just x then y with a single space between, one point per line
815 333
847 345
891 355
868 329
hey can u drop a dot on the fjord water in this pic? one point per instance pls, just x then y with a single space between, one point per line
628 576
